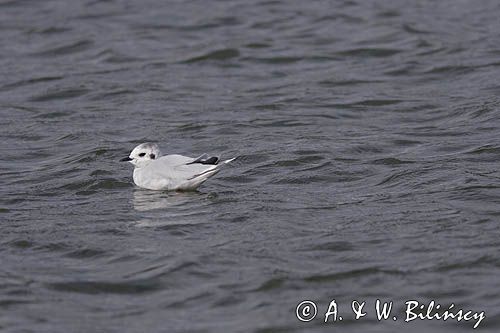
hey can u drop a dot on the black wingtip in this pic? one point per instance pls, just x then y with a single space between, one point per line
210 161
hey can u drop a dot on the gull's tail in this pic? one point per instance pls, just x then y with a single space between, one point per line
229 160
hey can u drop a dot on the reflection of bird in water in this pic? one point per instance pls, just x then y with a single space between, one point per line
148 200
170 172
161 209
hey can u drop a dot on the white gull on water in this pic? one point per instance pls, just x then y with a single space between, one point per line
171 172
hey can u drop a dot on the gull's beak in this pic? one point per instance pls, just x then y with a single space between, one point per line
126 159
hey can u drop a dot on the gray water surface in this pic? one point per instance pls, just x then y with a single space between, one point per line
368 137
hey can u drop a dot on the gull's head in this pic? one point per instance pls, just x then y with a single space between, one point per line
143 154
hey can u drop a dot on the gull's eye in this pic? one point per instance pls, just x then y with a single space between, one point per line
152 156
142 154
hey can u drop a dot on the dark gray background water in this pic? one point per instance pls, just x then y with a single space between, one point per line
368 138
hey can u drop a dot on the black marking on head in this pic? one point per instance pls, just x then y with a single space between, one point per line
152 156
142 154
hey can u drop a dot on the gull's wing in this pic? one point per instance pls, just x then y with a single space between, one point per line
178 168
183 172
174 160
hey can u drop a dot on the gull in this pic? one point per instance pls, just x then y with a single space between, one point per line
171 172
